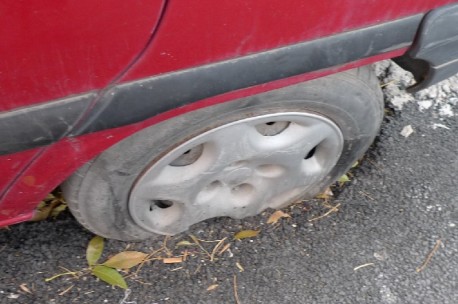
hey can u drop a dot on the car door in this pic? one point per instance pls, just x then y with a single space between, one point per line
54 50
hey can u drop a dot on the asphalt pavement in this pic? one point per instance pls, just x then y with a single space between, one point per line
391 239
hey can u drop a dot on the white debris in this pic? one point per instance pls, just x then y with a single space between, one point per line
438 125
441 98
381 256
436 207
229 252
446 110
407 131
399 101
12 296
425 104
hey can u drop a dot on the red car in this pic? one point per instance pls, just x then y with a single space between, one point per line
154 115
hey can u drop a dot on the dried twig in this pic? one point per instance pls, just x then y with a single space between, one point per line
74 273
387 83
362 266
430 256
198 268
59 275
148 258
66 290
207 241
373 163
333 209
185 255
173 260
141 282
212 256
225 248
164 246
196 240
236 295
366 195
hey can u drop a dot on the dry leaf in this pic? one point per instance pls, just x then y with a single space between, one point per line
51 206
109 275
327 193
57 210
42 212
184 243
174 260
44 209
344 179
212 287
126 259
244 234
25 288
94 250
276 216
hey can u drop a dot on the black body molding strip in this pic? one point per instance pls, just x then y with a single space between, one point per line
142 99
433 56
40 125
139 100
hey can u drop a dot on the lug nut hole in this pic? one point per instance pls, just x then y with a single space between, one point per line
188 157
311 153
272 128
162 204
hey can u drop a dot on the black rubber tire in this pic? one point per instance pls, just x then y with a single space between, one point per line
97 193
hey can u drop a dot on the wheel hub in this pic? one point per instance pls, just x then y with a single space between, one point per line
237 170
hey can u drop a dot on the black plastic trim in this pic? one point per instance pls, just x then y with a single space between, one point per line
139 100
433 56
40 125
136 101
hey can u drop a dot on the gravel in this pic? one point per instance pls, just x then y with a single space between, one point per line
400 203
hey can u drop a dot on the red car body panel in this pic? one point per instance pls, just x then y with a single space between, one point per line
228 29
52 49
47 62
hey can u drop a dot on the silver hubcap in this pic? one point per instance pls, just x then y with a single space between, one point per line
237 170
